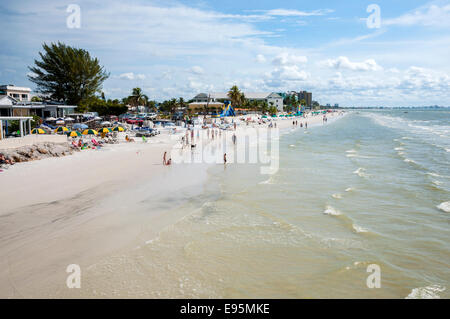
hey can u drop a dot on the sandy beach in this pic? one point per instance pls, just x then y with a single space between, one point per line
87 206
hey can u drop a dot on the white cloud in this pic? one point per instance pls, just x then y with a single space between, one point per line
260 58
343 62
289 59
431 15
131 76
297 13
197 70
287 73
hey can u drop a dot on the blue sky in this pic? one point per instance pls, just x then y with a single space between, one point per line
181 48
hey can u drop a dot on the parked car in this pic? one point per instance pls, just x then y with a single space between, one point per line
134 121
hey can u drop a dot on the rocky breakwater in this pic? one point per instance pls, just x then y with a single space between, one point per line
38 151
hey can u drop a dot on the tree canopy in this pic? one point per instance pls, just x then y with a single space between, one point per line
235 95
67 74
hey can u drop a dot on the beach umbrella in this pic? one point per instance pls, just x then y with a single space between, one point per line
105 130
274 115
73 133
69 119
118 129
90 132
37 131
50 119
97 118
61 129
80 126
105 123
264 117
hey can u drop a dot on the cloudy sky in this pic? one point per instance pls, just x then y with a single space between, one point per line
180 48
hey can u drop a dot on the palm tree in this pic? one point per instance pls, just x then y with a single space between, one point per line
235 95
181 102
137 97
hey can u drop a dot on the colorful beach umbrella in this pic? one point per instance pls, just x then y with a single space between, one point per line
73 133
37 131
90 132
80 126
105 130
118 129
61 129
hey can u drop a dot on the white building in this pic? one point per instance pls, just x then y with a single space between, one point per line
270 97
16 92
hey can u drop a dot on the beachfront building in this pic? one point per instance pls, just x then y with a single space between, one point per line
307 96
16 92
217 99
15 101
10 107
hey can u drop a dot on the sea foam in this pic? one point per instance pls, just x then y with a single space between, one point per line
430 292
329 210
445 206
359 229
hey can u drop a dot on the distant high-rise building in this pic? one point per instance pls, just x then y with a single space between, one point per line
307 96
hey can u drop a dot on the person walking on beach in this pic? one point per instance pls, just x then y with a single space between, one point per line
164 158
306 124
224 158
234 138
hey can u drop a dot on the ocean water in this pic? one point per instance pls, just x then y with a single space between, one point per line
372 187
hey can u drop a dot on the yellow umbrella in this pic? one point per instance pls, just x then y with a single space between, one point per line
74 134
118 129
61 129
105 130
90 132
37 131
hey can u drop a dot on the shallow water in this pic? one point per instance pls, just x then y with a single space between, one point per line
369 188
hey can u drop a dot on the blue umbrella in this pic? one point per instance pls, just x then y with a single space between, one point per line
80 126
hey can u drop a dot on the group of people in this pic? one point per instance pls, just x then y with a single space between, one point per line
295 123
82 145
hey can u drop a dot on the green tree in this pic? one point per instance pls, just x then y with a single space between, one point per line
102 107
36 99
316 105
235 95
67 74
152 105
272 110
137 97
